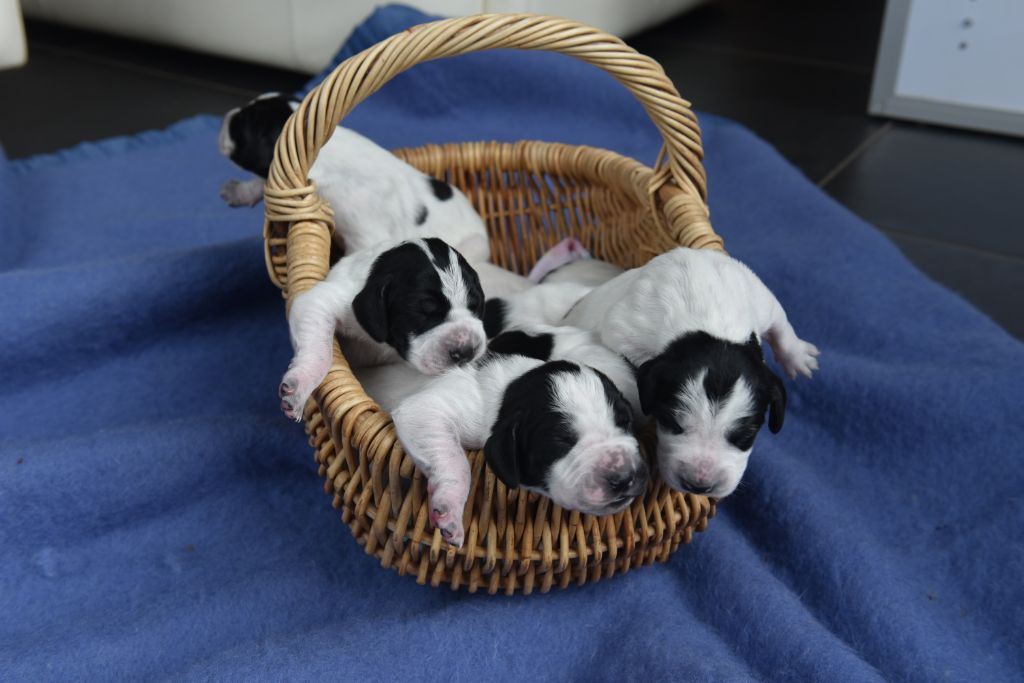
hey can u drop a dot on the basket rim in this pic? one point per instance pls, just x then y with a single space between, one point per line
603 165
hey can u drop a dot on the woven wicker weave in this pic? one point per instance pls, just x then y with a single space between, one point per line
531 195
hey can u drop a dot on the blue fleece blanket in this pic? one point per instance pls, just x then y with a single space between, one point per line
160 518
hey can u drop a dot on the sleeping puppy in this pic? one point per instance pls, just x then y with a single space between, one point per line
375 196
558 428
692 322
417 300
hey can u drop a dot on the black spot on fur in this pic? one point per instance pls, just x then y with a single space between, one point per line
442 190
421 215
518 343
254 130
660 380
530 434
494 317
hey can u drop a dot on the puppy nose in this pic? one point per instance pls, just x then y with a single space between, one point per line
461 354
627 482
694 487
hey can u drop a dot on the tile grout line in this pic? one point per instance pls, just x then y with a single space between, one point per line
857 151
147 71
949 245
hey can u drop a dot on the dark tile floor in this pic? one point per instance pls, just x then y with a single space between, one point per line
797 72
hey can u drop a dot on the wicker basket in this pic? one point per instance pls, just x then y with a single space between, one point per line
531 195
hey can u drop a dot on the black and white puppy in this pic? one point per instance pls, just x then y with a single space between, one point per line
692 322
376 197
417 300
558 428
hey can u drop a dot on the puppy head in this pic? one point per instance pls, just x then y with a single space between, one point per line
564 429
709 398
248 133
424 300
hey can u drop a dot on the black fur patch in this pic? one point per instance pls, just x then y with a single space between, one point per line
660 380
617 402
403 298
518 343
442 190
530 434
254 130
494 317
421 215
440 252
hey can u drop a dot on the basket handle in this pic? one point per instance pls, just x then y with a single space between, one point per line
291 198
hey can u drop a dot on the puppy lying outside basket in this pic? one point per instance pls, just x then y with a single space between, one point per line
531 195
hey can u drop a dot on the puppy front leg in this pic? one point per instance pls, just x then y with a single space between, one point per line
242 192
795 355
311 324
435 448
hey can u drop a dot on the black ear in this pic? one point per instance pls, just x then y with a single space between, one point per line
776 401
647 384
620 406
370 307
475 299
502 451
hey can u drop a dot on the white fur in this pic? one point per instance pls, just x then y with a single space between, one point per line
325 309
498 282
543 304
590 272
456 411
641 311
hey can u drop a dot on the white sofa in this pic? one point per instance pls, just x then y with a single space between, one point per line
304 34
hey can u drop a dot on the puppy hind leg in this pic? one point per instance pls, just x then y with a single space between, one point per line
796 356
566 251
311 325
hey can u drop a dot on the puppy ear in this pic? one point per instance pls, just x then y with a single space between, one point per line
502 451
776 401
370 307
647 385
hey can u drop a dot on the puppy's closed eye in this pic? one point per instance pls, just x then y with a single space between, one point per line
671 426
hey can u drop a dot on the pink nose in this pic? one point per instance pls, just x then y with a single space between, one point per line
702 470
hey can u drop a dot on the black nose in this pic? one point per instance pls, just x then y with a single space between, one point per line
694 488
627 482
461 354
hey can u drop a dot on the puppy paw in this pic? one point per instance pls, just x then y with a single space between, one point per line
450 526
799 358
242 193
446 515
566 251
295 390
